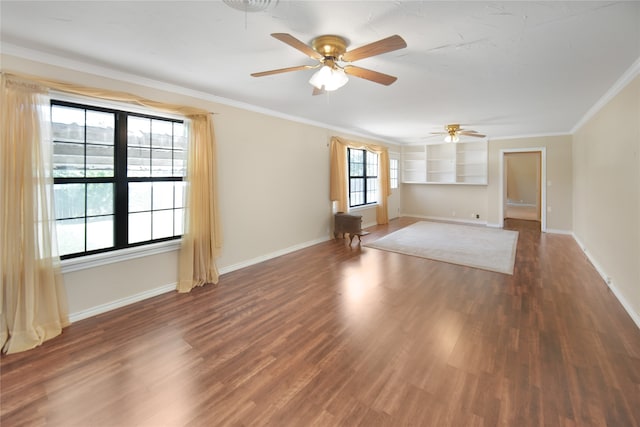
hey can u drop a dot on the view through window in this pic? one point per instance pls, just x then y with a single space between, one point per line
363 177
118 178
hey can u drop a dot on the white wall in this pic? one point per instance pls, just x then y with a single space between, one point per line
445 201
607 193
273 177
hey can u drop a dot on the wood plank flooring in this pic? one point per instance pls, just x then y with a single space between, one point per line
346 335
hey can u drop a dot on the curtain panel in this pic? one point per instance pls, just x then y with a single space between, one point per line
338 175
202 244
33 305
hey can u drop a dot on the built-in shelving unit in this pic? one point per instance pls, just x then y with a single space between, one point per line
445 163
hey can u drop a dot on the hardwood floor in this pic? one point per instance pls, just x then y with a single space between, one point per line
338 335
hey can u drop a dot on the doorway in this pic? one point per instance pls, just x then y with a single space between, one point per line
523 172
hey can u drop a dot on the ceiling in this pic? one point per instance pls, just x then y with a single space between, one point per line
504 69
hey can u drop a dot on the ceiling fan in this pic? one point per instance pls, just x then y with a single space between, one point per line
331 52
453 132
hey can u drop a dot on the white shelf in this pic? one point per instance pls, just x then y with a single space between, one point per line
446 163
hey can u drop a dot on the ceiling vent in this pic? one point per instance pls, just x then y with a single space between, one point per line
251 5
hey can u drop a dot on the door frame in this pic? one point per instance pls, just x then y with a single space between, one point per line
542 183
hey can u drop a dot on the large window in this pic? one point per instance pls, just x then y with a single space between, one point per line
118 178
363 177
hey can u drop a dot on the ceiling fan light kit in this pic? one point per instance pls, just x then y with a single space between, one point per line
452 138
328 78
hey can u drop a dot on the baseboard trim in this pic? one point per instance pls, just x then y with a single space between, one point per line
266 257
557 231
447 219
103 308
371 224
607 280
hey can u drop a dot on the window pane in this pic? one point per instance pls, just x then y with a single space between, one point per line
99 232
162 224
179 163
356 194
139 197
356 169
100 127
178 222
70 236
372 164
357 156
372 190
67 123
99 161
99 199
162 195
138 131
162 134
161 163
68 160
180 137
139 227
139 161
69 200
180 194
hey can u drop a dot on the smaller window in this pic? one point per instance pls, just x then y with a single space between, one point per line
393 172
363 177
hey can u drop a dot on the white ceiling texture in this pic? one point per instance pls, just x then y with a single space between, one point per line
504 69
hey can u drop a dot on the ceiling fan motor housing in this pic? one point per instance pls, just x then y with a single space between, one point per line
452 129
329 46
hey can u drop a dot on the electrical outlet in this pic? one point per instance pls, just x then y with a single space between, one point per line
453 213
477 216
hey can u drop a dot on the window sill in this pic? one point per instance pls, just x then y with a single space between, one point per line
363 207
91 261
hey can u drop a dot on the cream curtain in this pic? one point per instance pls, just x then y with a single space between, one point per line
201 245
338 175
33 301
202 238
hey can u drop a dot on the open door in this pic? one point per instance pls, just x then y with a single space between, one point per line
522 194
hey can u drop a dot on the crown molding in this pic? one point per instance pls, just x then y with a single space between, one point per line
533 135
617 87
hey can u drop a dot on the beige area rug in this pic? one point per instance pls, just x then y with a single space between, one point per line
480 247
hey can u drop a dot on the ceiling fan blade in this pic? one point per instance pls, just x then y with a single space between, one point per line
438 133
282 70
376 48
297 44
472 133
374 76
